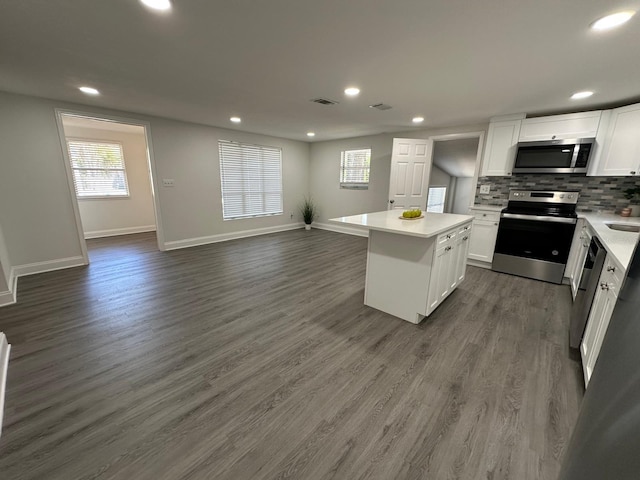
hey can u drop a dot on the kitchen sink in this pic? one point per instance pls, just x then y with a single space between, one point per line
624 227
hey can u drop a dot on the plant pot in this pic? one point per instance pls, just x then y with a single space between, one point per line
307 226
635 210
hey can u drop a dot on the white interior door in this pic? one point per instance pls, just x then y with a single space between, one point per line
410 168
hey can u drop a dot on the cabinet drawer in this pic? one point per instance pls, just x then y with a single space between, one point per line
612 275
446 237
487 215
465 229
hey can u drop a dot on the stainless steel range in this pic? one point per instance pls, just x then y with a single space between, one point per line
535 233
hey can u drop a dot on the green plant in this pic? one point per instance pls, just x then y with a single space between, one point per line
308 210
632 194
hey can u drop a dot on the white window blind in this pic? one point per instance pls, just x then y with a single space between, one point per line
355 166
436 199
251 177
98 169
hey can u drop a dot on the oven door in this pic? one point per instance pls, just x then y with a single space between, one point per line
533 246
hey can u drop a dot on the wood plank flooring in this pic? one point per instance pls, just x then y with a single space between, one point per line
256 359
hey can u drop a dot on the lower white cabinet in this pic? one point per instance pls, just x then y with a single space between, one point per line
482 242
601 309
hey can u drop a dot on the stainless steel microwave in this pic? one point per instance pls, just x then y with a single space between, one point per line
554 156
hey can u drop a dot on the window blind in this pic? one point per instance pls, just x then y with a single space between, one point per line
436 199
355 166
98 169
251 178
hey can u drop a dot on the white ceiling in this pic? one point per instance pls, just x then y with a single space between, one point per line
456 157
453 61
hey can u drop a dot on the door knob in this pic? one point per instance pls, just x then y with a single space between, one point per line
391 201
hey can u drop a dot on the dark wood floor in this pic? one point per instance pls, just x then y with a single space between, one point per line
256 359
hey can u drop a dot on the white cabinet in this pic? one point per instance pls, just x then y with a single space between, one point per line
555 127
500 150
603 303
482 242
449 265
577 256
620 154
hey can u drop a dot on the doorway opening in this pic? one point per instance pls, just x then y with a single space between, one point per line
110 175
453 178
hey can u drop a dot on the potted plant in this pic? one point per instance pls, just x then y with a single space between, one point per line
309 212
633 194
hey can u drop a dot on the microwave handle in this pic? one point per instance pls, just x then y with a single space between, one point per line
574 158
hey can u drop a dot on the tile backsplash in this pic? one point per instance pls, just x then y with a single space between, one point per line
597 194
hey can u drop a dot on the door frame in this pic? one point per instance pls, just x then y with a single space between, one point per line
459 136
151 164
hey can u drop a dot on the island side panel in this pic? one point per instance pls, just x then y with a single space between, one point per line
398 273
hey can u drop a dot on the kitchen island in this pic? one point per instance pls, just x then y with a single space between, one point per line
412 265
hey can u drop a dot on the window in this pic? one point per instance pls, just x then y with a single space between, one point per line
436 199
98 169
251 178
354 168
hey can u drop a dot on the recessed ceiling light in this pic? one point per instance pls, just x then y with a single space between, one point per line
311 134
581 95
235 119
352 91
158 4
89 90
417 119
612 21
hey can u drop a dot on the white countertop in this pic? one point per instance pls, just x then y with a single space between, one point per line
388 221
617 243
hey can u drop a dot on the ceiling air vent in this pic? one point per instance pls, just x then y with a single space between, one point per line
381 106
324 101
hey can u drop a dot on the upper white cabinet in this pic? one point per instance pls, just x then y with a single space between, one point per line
556 127
620 155
500 150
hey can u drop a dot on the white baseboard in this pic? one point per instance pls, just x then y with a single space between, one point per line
119 231
360 232
48 266
476 263
9 297
223 237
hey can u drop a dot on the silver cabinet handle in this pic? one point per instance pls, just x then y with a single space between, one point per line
604 286
633 173
465 238
447 249
496 223
610 268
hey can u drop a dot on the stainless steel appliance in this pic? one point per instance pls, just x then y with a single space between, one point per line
535 234
554 156
586 291
605 440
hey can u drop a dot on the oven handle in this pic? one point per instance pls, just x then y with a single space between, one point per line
538 218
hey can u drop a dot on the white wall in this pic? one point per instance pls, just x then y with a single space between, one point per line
462 199
325 171
36 210
112 216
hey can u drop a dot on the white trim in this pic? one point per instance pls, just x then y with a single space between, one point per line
360 232
223 237
477 263
5 349
48 266
119 231
9 297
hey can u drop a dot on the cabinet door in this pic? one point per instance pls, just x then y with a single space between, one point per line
500 151
439 280
461 256
596 329
621 152
582 246
574 125
482 242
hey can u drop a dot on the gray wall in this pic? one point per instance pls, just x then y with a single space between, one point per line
325 171
36 212
5 265
462 199
102 215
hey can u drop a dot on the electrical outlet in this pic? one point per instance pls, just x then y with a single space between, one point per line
168 182
485 188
